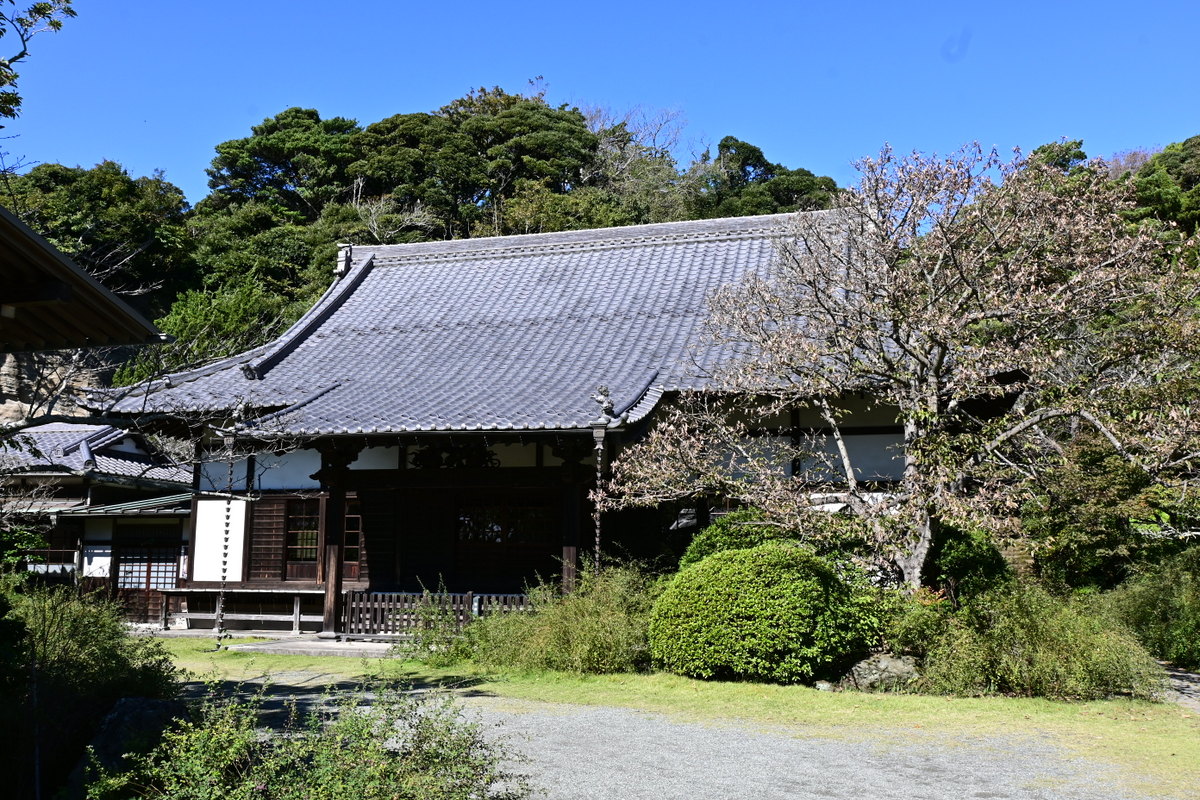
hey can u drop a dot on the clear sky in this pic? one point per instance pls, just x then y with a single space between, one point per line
156 84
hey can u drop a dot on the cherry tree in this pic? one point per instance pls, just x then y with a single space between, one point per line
996 308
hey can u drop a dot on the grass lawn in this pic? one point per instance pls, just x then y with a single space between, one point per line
1156 746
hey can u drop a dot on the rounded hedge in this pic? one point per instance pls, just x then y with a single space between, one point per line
773 613
738 530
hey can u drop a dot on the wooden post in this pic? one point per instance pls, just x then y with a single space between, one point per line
335 463
296 614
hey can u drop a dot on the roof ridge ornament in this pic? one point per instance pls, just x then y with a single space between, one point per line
604 398
345 258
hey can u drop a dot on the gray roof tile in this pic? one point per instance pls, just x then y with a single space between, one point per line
511 333
66 447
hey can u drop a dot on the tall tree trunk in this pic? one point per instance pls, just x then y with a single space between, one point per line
920 518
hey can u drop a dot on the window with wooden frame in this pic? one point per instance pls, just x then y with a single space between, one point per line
302 540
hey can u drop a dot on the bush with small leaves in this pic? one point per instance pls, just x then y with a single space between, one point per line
599 627
394 745
1162 606
1022 640
737 530
775 613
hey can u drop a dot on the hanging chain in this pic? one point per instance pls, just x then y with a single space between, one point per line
219 620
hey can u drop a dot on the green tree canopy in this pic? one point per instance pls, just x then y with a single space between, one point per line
1168 186
744 183
128 232
294 161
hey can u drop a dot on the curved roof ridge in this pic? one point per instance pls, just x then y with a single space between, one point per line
270 352
591 238
334 296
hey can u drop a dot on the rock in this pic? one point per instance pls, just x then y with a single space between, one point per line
134 725
824 686
881 672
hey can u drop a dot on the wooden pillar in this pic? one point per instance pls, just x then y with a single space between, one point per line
570 538
335 463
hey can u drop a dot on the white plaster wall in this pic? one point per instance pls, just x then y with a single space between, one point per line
377 458
214 475
126 445
97 560
211 539
292 470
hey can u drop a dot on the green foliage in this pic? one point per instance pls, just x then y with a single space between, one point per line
1086 522
1168 186
403 747
437 639
207 325
916 621
1062 155
76 659
1021 640
771 613
23 25
738 530
600 627
128 232
294 162
746 183
966 563
1162 606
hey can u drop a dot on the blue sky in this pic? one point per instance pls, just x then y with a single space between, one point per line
156 84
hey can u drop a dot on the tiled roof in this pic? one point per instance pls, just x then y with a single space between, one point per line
510 333
81 448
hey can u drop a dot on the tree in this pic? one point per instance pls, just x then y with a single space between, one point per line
127 232
744 183
24 24
995 319
294 161
1168 185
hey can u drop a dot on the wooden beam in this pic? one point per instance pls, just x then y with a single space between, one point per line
334 472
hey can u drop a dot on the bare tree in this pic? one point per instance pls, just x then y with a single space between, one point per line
1128 162
993 307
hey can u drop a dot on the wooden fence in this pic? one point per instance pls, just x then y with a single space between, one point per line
397 613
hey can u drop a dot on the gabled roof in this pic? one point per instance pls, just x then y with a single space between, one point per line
80 449
511 333
48 303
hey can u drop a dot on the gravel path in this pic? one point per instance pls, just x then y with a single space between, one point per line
574 752
581 752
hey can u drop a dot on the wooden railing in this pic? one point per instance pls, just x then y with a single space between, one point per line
398 613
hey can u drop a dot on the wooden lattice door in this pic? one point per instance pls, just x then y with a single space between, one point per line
145 565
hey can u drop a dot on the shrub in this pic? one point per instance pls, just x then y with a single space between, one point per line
1162 607
967 563
600 627
403 746
738 530
1022 640
916 621
437 639
774 612
77 659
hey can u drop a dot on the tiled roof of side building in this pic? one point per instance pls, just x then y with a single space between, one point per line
509 333
72 447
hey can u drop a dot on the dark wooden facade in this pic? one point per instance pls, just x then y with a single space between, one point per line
437 522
